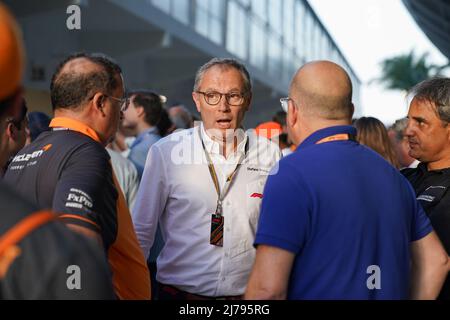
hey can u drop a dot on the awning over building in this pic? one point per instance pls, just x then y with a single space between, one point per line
433 17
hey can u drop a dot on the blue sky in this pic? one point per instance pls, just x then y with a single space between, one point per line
367 31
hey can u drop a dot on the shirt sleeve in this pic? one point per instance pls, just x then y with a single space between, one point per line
285 212
85 194
137 156
133 185
56 263
421 224
151 199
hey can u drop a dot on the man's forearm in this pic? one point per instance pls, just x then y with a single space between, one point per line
426 282
257 292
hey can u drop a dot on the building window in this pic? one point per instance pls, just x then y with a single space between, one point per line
180 10
210 19
275 57
237 33
258 44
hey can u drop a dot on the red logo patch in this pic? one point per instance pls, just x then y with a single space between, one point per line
257 195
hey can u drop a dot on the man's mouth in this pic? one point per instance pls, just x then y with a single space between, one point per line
224 123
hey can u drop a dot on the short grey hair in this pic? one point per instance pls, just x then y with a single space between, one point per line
437 91
224 63
399 128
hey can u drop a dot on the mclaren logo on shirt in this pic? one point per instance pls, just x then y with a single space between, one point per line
29 156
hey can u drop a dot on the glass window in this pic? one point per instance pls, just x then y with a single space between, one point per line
245 3
288 21
275 57
216 8
287 65
300 32
209 19
325 45
275 11
202 4
318 42
259 8
180 10
201 21
216 31
309 39
314 39
237 30
164 5
257 44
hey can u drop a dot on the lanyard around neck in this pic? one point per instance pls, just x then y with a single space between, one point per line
337 137
213 173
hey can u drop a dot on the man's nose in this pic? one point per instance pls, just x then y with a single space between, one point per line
223 104
409 130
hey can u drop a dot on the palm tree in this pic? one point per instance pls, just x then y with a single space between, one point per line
404 71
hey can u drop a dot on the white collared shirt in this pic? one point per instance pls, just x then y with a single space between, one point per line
414 164
178 192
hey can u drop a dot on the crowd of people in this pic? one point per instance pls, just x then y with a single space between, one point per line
155 202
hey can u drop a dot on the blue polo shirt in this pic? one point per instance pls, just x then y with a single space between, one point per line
347 215
140 147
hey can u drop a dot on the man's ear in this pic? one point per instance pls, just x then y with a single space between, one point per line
195 97
11 131
352 110
139 110
98 102
292 115
248 101
447 126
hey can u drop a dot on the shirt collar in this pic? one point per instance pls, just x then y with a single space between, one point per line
326 132
414 164
74 125
214 147
423 167
152 130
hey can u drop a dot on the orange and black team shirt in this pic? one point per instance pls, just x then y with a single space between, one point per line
37 251
69 171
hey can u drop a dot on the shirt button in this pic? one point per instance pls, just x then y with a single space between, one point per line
228 229
226 255
223 279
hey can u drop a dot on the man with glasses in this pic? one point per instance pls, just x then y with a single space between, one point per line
68 169
338 221
36 250
204 187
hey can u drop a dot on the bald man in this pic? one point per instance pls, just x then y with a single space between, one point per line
68 168
337 221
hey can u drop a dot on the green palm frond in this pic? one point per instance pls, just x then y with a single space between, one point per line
404 71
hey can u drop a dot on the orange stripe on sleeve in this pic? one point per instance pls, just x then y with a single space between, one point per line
74 216
28 224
